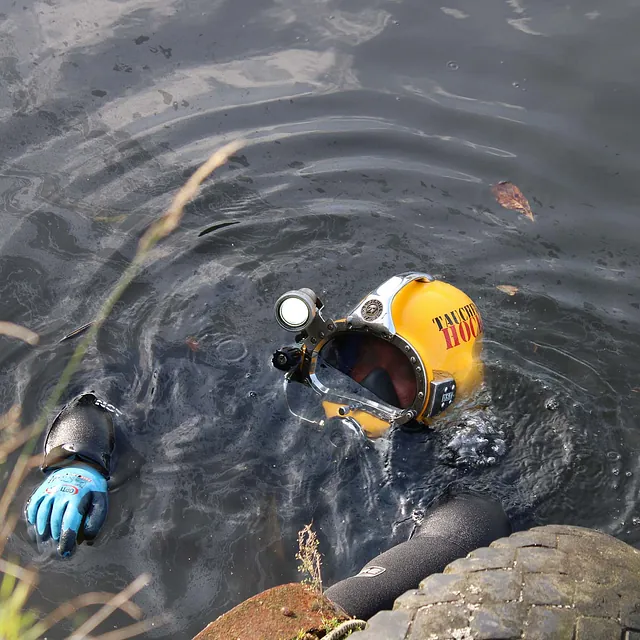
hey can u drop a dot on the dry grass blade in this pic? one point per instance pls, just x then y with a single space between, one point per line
10 421
7 529
509 289
309 557
16 331
24 463
132 630
510 197
29 576
70 607
116 602
171 219
156 232
13 443
18 474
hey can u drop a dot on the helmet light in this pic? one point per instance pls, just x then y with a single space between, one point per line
296 310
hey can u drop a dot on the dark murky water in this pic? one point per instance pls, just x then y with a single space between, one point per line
375 131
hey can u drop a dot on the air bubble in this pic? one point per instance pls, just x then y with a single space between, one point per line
552 404
231 350
454 66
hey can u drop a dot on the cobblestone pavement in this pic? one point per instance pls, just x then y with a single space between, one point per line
555 582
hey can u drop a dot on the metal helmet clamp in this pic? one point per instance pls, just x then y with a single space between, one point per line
425 333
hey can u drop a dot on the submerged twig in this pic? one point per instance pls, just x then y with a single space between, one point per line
217 227
76 332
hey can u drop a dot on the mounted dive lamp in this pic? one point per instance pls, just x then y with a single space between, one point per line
403 354
296 310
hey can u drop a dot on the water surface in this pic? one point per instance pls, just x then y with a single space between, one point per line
374 133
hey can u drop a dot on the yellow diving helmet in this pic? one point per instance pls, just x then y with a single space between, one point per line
404 353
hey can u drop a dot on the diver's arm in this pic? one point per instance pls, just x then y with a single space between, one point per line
77 462
83 431
450 531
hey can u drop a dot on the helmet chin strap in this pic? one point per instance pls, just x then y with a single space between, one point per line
379 382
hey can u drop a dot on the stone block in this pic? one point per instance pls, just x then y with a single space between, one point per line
544 623
569 530
597 629
541 589
495 585
413 600
591 599
498 622
541 560
440 620
483 559
386 625
630 610
442 588
533 538
604 559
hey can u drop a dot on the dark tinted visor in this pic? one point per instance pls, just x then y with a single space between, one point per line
373 363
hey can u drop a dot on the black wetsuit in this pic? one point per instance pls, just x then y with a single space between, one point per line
84 431
450 531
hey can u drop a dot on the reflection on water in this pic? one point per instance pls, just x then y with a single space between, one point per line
374 134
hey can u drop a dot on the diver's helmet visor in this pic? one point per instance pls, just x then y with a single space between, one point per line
363 379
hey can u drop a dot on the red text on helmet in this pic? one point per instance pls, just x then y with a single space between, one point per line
459 325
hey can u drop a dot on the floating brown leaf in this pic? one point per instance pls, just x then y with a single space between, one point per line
192 343
16 331
510 197
510 290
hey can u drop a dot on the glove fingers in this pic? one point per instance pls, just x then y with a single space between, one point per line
67 544
70 525
96 515
32 533
42 518
57 513
32 507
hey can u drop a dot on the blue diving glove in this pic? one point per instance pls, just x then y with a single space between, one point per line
69 498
